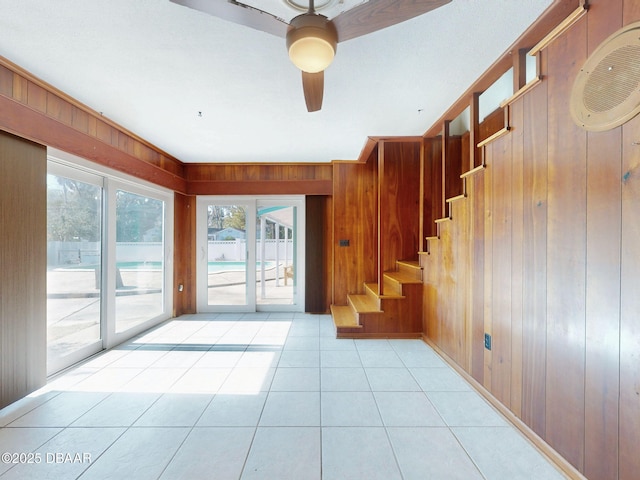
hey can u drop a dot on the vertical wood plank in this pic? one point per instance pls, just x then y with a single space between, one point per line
602 357
566 255
500 299
476 280
602 305
23 257
185 254
6 81
433 185
517 239
488 262
37 97
315 273
354 219
629 432
474 133
382 206
20 88
534 317
629 409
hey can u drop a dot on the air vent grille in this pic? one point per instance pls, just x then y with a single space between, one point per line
614 79
606 92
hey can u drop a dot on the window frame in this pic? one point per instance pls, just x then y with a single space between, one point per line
112 181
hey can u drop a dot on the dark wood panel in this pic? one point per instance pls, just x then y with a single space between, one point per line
6 81
534 315
59 109
500 165
355 214
487 272
327 247
631 11
251 172
254 179
458 316
261 187
20 88
602 305
399 203
315 273
184 272
629 429
475 185
453 167
433 196
493 123
602 358
629 433
517 252
80 120
23 256
37 97
566 253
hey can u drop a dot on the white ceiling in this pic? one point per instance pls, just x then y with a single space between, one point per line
152 66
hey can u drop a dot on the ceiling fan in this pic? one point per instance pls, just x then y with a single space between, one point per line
312 38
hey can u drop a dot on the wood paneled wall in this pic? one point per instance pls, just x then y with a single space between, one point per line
259 179
36 111
546 246
23 267
432 193
318 265
398 202
355 220
184 272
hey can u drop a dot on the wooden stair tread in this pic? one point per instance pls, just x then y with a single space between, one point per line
402 277
343 316
364 303
374 288
410 263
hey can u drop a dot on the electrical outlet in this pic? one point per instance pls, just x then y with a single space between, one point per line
487 341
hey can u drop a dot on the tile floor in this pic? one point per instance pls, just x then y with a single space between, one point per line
262 396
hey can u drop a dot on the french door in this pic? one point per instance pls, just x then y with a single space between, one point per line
250 253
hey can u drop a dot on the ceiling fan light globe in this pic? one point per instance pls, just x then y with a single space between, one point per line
311 54
311 40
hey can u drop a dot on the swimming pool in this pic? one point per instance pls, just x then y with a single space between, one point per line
213 267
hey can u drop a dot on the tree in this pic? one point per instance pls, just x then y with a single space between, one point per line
73 210
236 218
215 216
138 218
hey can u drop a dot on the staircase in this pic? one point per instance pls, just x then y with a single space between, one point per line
397 313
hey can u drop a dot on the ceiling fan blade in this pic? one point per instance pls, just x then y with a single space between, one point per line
239 13
378 14
313 86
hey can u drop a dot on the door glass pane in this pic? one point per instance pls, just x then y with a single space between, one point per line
275 254
226 255
73 267
139 259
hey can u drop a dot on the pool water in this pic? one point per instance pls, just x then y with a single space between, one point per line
214 267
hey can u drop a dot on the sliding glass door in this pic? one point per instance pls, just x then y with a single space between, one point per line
276 252
74 265
226 255
249 253
109 260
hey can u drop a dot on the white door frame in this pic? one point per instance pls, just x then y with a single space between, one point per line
252 203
